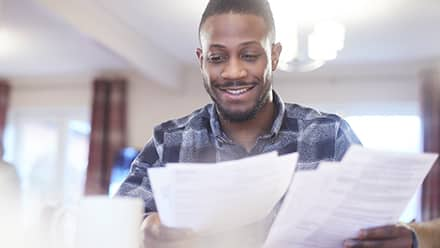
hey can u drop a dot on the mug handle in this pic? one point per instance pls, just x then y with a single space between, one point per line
57 235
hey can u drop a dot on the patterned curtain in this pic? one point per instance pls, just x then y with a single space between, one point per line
4 104
431 137
108 133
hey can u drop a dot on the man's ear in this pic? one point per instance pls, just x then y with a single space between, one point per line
199 54
276 52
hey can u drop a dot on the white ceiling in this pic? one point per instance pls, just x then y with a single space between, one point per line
391 31
42 44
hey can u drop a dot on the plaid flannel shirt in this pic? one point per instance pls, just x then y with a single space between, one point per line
198 138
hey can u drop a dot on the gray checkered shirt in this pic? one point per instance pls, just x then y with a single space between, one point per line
198 138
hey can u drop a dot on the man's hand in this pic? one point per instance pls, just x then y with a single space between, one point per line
157 235
392 236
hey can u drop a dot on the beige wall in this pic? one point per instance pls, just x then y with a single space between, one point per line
366 96
51 92
354 93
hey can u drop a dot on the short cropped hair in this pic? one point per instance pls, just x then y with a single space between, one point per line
259 8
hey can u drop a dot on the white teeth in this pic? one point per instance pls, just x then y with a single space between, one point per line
237 92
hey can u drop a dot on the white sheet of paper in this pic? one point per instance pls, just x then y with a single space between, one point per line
326 206
222 196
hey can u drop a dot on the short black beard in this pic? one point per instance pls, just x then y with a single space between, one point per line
243 116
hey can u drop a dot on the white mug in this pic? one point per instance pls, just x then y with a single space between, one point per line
110 223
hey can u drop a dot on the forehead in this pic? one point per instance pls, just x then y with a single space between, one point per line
233 28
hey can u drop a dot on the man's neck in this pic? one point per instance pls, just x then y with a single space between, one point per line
247 132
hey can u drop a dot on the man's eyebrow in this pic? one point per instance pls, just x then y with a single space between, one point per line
247 43
217 46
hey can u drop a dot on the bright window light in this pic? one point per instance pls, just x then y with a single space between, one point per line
394 133
49 149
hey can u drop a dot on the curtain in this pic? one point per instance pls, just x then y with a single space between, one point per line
431 141
108 134
4 104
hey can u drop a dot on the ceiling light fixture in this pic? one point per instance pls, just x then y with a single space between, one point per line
307 45
7 43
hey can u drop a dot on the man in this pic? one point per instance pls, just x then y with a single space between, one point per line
238 56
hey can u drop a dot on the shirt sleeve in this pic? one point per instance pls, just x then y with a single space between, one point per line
345 137
137 183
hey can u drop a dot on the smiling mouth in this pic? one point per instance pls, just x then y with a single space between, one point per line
236 91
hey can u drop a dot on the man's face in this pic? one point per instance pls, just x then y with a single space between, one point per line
237 59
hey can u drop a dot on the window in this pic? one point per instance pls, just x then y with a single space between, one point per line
50 151
392 133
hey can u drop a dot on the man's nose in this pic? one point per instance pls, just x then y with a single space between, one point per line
234 69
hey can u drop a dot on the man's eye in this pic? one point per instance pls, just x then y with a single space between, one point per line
250 57
216 59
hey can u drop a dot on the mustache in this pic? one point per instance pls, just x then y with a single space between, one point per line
230 84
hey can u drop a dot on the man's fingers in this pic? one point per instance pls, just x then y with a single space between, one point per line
389 243
384 232
168 233
384 236
153 229
151 225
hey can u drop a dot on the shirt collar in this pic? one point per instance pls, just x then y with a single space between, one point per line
215 124
276 126
281 110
